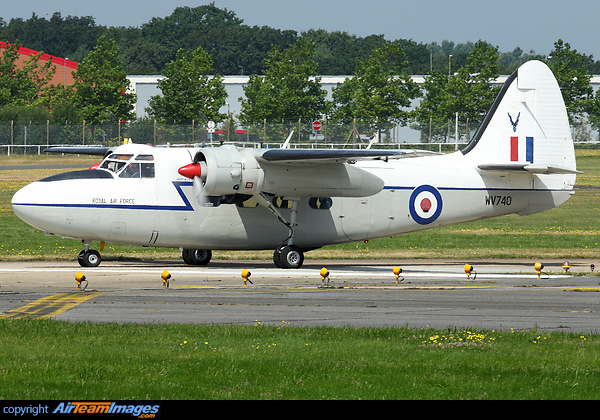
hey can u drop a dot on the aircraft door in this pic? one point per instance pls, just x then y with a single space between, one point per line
368 217
355 217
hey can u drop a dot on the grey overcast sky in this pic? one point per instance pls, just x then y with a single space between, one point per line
528 24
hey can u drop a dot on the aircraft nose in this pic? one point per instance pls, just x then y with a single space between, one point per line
23 204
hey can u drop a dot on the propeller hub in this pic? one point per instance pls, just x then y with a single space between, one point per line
190 171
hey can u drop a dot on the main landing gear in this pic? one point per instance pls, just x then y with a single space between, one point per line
286 255
196 256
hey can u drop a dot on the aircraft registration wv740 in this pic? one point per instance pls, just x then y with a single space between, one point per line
520 160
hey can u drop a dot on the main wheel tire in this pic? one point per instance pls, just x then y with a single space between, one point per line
291 256
277 257
196 256
90 258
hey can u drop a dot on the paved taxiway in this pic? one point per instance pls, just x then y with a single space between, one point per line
504 294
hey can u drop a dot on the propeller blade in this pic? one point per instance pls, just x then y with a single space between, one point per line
198 186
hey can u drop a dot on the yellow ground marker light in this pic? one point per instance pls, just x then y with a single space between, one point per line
470 270
538 268
165 276
80 278
397 271
324 275
246 276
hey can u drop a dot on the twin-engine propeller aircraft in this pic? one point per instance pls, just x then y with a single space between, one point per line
520 160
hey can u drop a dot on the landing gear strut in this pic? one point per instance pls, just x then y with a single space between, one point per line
288 255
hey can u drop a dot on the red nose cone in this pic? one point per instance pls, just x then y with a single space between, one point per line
426 205
190 171
96 165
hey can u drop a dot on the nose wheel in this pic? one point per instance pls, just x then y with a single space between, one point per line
89 258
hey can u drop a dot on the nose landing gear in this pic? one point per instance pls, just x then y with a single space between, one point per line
90 257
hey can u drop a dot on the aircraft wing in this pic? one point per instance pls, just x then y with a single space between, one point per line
331 156
80 150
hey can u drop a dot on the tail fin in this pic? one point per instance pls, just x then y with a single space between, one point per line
527 128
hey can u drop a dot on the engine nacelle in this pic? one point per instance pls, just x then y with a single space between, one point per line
229 171
332 180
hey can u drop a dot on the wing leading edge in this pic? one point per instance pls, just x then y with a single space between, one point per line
325 156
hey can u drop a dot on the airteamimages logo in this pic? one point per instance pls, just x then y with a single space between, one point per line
425 204
142 411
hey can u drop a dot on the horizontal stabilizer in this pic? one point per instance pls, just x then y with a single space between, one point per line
537 169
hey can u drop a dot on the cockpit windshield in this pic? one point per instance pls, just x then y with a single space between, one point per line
140 167
115 162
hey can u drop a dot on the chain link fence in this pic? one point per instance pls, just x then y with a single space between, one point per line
34 138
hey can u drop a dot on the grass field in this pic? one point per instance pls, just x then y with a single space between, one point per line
570 231
63 361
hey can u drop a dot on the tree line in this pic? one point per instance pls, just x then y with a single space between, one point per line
287 87
235 48
378 96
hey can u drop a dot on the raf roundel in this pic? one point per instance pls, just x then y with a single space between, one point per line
425 204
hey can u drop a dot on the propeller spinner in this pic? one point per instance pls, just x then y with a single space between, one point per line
192 170
195 172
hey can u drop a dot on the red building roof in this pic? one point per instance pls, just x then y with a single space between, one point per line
64 67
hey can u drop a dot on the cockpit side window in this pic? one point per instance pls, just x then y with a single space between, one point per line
146 167
132 171
147 170
138 170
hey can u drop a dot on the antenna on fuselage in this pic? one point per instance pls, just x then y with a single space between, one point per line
286 145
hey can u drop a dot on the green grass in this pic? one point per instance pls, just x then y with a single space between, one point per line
568 231
57 360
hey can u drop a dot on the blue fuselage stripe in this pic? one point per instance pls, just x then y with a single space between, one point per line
178 184
188 207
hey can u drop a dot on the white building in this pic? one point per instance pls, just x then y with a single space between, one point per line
147 86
